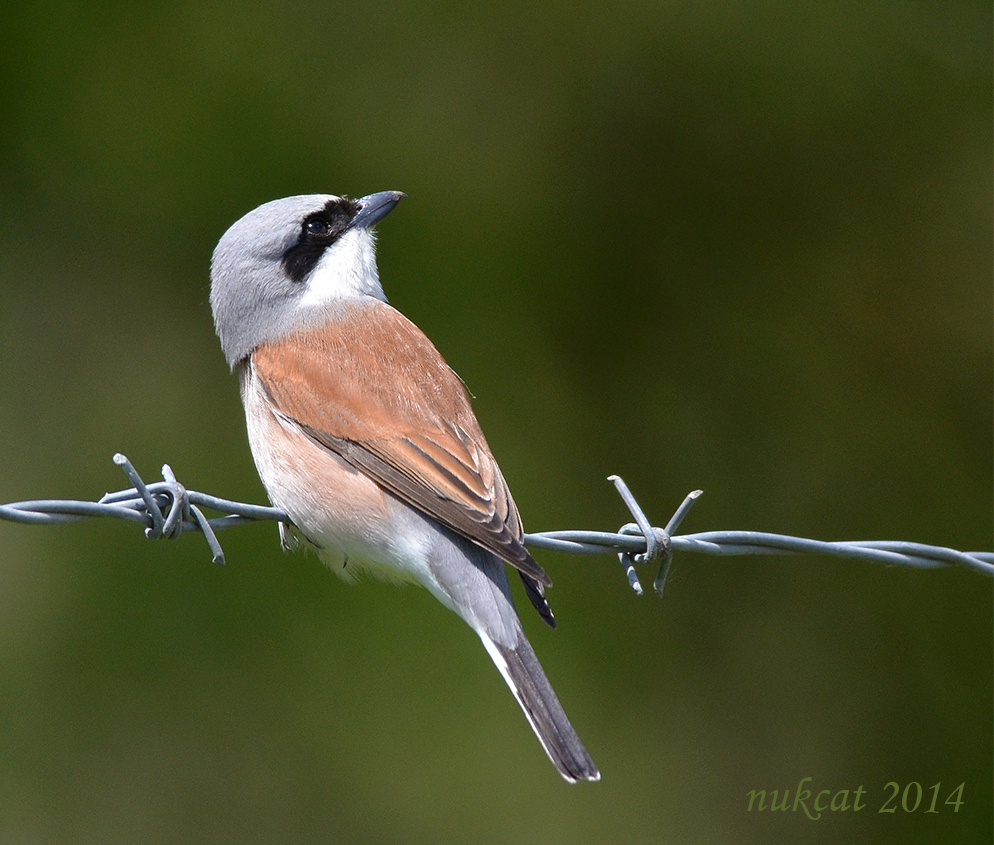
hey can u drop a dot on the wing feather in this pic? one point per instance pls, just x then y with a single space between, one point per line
370 387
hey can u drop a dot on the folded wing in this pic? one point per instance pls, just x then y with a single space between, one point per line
370 387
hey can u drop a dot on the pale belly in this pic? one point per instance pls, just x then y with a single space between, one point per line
356 526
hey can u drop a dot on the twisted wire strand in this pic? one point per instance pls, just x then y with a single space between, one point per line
167 510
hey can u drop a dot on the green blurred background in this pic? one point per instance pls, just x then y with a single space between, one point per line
738 246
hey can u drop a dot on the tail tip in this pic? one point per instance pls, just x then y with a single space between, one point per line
589 775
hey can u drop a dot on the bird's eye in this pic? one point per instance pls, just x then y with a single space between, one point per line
316 227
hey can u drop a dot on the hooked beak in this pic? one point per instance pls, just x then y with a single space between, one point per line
374 208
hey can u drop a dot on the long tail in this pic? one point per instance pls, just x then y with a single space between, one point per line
473 582
524 675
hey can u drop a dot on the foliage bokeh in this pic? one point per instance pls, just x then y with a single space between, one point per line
740 246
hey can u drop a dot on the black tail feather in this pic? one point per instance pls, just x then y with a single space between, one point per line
525 677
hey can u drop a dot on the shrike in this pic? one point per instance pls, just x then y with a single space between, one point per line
363 434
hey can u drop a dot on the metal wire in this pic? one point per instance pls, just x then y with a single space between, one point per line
167 510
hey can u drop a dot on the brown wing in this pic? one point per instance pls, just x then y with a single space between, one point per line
370 387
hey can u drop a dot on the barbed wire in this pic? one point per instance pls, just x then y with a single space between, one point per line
167 510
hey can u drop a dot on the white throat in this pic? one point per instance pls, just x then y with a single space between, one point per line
347 270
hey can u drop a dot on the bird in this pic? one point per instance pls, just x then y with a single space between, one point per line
365 437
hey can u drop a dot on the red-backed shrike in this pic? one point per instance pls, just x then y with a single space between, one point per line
365 437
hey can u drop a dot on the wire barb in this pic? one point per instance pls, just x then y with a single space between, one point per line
657 540
167 510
